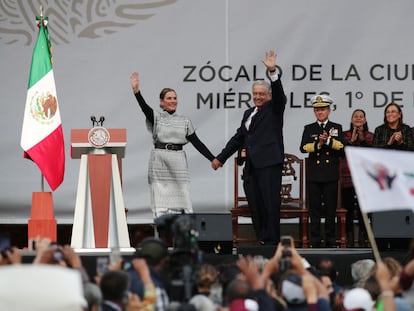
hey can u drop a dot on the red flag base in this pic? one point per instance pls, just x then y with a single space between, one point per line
42 222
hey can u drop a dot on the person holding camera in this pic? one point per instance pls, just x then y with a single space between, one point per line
300 289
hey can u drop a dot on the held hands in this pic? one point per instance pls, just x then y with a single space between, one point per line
215 164
135 82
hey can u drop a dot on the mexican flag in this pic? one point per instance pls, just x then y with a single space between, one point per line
42 135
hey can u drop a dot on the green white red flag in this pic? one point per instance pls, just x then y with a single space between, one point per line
42 134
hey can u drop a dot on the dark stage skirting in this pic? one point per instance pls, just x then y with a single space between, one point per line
342 257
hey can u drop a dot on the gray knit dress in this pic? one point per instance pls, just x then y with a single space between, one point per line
168 175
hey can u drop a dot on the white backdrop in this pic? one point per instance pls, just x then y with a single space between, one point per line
360 52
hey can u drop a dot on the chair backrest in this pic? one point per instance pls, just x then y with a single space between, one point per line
292 193
237 177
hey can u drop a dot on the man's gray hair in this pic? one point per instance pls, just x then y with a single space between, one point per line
263 82
360 269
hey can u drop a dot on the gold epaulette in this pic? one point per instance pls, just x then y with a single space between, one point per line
309 147
336 144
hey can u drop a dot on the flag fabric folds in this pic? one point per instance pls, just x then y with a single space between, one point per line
42 134
383 178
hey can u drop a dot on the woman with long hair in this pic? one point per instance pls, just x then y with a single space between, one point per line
357 135
394 133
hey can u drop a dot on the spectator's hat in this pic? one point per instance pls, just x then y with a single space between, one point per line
292 290
319 101
358 298
202 303
244 305
153 250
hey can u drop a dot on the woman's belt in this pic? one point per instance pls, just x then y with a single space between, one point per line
168 146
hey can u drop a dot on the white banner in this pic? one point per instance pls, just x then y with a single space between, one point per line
383 179
359 52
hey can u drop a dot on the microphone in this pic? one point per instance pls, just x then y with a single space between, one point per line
93 119
101 120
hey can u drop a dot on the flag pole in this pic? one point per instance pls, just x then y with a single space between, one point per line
42 222
371 237
42 180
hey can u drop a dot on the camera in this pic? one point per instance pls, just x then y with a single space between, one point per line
285 263
185 256
58 255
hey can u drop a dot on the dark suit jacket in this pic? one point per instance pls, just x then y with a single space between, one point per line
322 164
264 140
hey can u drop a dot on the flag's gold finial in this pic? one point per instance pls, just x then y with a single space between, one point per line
41 10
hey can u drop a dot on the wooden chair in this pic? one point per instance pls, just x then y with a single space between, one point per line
293 203
292 199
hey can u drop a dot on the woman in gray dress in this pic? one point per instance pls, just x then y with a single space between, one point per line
168 169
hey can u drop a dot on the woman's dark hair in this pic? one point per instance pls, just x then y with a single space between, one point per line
165 91
365 127
400 122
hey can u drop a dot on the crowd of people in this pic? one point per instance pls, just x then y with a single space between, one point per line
57 280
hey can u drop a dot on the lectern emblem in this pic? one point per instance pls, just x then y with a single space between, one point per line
98 136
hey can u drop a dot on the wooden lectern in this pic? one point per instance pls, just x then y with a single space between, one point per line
99 220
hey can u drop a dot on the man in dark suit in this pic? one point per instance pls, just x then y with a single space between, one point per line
323 141
261 134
